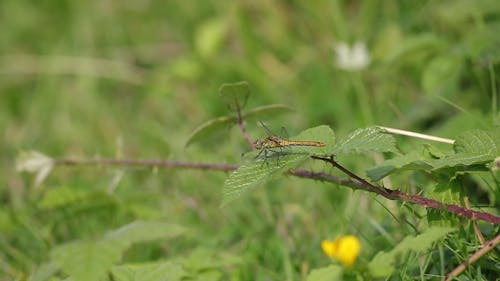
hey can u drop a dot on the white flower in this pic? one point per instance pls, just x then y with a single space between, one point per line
35 162
354 58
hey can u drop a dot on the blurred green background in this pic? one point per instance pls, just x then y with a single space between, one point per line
133 79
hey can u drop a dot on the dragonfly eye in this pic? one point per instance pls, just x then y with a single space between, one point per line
258 144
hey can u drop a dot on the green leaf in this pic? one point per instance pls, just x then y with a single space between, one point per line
66 196
382 265
446 191
87 260
44 272
209 275
414 47
322 134
479 142
267 111
202 259
235 95
141 231
159 271
249 175
481 43
69 202
474 147
411 161
424 241
186 67
329 273
433 152
462 159
91 260
366 140
210 128
457 13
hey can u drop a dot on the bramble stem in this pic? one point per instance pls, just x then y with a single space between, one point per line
146 162
354 181
412 198
379 190
241 124
243 129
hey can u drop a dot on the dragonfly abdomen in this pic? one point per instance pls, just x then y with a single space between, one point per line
274 142
302 143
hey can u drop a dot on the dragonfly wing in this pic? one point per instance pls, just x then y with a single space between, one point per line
284 133
269 132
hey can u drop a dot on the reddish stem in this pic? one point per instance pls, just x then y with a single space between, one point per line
354 182
412 198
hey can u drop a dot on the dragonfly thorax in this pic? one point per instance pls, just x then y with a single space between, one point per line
269 142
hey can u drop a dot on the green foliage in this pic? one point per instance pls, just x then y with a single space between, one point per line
201 264
251 174
331 272
132 78
203 259
383 264
415 47
479 141
209 128
455 12
212 127
472 147
441 75
411 161
140 231
84 260
45 271
322 134
209 37
365 140
91 260
248 176
65 197
472 151
158 271
267 111
235 96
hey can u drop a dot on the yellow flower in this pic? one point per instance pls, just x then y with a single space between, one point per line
344 249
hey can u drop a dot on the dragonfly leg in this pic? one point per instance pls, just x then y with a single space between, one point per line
275 154
260 152
266 151
278 154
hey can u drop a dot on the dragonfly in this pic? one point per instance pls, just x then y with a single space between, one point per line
272 143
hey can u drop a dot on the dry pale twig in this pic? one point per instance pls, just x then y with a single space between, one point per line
473 258
476 227
417 135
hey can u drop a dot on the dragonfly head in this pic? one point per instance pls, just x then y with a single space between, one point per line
258 144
